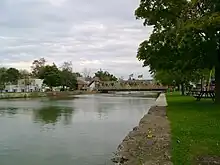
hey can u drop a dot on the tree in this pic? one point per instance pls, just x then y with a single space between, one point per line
23 74
105 76
165 78
78 74
12 75
185 36
68 78
67 66
199 35
51 76
37 67
178 79
2 78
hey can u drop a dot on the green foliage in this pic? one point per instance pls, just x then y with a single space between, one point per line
160 14
37 67
51 75
194 127
165 78
174 77
185 36
78 74
68 79
2 78
54 77
12 75
105 76
23 74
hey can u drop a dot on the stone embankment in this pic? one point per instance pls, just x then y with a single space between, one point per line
148 143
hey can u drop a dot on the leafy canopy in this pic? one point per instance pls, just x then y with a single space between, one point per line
185 34
105 76
51 75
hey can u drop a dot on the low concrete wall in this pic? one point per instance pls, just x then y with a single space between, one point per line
21 95
42 94
161 101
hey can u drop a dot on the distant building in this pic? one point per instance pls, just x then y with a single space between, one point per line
89 84
94 84
25 85
82 84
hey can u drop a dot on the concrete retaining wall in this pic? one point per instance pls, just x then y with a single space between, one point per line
161 100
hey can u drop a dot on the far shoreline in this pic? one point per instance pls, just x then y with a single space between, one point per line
55 94
68 94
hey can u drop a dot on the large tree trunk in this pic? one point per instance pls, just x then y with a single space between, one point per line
217 79
217 84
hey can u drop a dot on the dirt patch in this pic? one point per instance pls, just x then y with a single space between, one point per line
147 144
208 160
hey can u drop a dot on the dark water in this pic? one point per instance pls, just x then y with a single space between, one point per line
81 131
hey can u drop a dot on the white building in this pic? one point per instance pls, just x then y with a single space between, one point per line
26 85
94 84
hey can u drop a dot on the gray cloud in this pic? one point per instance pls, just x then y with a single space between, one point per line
92 34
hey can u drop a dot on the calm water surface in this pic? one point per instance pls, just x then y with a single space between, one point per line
81 131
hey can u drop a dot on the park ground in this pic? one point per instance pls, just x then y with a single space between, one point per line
195 130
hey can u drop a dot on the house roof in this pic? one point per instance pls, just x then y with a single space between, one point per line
81 80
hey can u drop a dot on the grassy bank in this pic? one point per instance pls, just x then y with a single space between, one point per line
195 129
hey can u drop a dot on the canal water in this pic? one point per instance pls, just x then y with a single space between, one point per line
82 131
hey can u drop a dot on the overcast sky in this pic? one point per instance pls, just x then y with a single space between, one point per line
91 33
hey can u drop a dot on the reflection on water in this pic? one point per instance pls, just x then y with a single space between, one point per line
82 131
9 111
53 114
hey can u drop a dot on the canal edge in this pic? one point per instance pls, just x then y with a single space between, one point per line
150 142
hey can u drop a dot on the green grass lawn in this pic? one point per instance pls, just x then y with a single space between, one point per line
195 127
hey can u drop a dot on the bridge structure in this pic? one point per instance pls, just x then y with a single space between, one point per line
130 85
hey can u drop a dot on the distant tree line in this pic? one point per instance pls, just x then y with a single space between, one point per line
105 76
52 75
